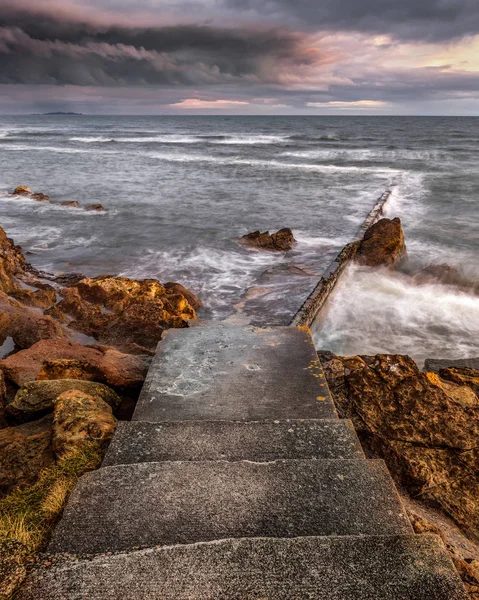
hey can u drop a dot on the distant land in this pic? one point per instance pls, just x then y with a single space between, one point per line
48 114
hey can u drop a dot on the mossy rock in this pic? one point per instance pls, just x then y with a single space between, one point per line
38 398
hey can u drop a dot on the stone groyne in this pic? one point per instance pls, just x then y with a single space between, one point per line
318 297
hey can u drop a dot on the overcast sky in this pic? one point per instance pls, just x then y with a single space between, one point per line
240 56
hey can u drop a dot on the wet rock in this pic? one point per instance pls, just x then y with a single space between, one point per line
424 426
281 241
79 419
24 451
37 398
382 244
70 203
178 289
445 275
43 297
116 369
22 190
96 207
40 197
118 310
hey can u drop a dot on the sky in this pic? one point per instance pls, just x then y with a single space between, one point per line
264 57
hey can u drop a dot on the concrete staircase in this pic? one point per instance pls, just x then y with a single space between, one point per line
236 480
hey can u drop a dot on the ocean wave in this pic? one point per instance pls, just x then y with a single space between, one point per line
367 154
92 140
221 139
379 311
275 164
218 276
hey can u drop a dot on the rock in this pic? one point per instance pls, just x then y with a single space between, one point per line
118 310
37 398
44 297
54 359
281 241
40 197
22 190
446 275
425 427
14 562
382 244
12 263
79 419
3 397
26 326
176 288
70 203
466 376
97 207
24 451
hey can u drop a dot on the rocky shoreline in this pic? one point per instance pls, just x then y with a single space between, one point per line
75 353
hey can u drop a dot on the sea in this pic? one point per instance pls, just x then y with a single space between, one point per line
180 191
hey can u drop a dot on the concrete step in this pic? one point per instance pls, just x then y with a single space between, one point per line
222 373
407 567
117 508
137 441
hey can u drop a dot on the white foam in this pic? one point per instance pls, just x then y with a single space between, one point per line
251 140
91 140
368 154
379 311
273 164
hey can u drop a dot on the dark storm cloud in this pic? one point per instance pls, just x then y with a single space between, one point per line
423 20
36 49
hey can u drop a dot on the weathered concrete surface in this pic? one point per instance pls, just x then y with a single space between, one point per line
231 373
436 364
117 508
405 567
136 442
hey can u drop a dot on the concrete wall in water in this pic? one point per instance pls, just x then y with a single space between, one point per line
312 307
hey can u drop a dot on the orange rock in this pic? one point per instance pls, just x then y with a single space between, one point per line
426 428
382 244
58 359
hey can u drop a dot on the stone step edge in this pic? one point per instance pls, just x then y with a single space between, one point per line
61 557
149 441
56 580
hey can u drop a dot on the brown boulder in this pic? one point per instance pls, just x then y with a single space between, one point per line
426 428
79 419
52 358
118 310
97 207
280 241
70 203
382 244
37 398
26 326
24 451
22 190
179 290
